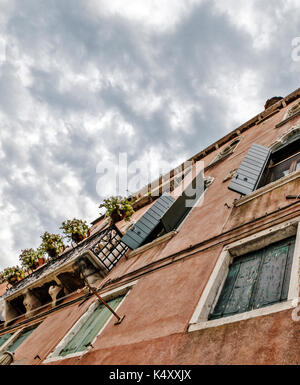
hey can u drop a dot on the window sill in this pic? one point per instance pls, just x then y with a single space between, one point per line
281 306
269 187
148 246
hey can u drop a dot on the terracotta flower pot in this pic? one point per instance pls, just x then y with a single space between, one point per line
116 217
13 280
52 253
77 237
80 237
35 266
41 261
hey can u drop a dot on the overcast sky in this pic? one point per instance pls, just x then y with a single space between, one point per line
83 80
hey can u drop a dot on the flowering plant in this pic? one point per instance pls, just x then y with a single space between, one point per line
12 274
75 229
28 258
52 244
117 208
31 259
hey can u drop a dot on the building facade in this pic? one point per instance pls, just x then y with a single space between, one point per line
214 283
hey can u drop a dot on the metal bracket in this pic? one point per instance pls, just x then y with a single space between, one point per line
119 320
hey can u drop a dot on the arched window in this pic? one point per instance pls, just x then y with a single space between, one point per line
226 151
293 110
285 156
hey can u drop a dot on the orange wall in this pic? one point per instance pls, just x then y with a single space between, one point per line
160 305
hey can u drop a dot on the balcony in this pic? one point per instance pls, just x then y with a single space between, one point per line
51 282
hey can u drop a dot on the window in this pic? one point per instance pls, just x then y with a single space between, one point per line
82 335
226 151
11 341
166 214
90 328
263 165
283 161
85 331
255 280
4 338
254 276
19 340
292 111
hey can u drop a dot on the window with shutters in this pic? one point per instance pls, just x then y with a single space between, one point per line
82 335
258 279
4 338
90 328
254 276
166 214
262 166
86 330
11 341
283 161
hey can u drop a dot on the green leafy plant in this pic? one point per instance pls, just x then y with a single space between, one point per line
12 275
75 229
31 259
28 259
52 244
117 208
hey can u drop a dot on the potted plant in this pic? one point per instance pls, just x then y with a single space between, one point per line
12 275
41 256
75 229
52 244
29 259
117 208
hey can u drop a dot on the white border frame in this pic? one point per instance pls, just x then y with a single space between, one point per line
54 355
216 281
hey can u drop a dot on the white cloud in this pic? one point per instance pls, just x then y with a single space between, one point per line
155 14
81 82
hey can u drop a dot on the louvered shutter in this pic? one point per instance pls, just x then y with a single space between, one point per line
250 171
4 338
139 232
91 328
14 346
183 204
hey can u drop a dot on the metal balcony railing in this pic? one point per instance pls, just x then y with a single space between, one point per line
109 248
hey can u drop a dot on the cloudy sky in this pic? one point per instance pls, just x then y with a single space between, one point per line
84 80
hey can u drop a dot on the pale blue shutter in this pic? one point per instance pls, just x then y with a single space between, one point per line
4 338
91 328
14 346
139 232
251 169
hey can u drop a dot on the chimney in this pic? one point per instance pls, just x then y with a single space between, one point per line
272 101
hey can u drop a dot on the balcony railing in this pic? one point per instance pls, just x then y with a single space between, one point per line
109 248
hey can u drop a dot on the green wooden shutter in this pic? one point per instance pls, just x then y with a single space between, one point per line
248 175
255 280
14 346
4 338
139 232
236 293
91 328
240 297
273 278
226 292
